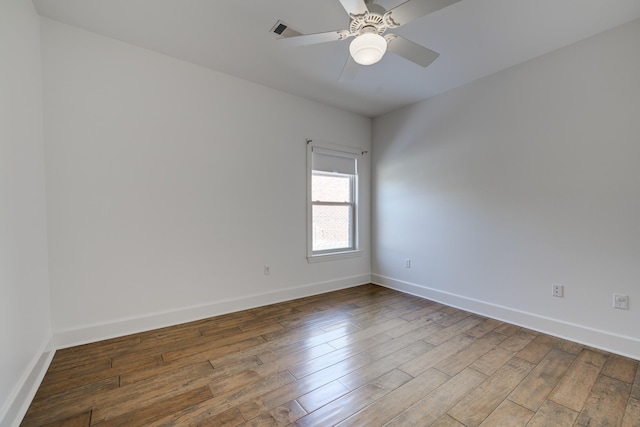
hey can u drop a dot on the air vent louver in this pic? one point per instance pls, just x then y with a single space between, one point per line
283 30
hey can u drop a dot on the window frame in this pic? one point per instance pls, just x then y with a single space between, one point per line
331 254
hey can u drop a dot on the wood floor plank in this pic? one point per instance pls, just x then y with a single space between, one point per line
436 404
570 347
362 356
469 354
316 319
632 414
211 350
214 348
447 421
91 353
84 366
635 389
225 321
137 361
79 400
432 307
401 341
620 368
434 356
606 403
143 416
454 316
516 341
393 403
508 414
283 415
535 387
574 388
165 336
341 325
367 333
552 414
342 407
484 328
118 401
278 397
253 327
128 378
490 362
322 395
287 392
80 420
236 381
229 418
478 404
413 325
386 364
60 384
223 408
290 356
321 362
342 368
303 338
463 325
507 329
537 349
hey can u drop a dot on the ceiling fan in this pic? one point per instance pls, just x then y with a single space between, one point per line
368 24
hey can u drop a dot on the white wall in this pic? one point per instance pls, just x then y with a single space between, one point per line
170 186
25 330
525 178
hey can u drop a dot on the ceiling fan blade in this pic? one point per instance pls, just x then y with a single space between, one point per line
308 39
410 50
349 70
414 9
354 7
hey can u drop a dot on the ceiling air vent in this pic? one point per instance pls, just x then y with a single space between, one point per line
283 30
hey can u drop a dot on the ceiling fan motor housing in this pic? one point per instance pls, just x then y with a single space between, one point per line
376 19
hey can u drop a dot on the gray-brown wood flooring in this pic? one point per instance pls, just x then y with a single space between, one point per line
364 356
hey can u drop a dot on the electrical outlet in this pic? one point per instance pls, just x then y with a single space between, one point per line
557 290
621 301
407 263
267 270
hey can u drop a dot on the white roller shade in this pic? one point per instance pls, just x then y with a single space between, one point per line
333 161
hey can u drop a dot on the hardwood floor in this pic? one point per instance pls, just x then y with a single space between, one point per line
365 356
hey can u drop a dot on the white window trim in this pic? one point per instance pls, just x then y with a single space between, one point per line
339 253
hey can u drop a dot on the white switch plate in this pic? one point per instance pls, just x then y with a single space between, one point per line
407 263
621 301
267 270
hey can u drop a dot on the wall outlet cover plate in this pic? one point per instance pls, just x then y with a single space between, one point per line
621 301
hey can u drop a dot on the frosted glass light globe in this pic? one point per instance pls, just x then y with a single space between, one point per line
368 48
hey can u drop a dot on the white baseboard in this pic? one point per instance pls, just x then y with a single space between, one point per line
13 410
604 340
122 327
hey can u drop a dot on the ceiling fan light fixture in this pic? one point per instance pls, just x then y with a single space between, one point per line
368 48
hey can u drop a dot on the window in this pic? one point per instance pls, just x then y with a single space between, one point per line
333 196
332 211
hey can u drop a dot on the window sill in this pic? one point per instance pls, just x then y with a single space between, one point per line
333 256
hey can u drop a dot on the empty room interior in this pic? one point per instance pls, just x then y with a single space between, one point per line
236 212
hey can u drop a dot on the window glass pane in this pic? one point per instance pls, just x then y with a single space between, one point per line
330 187
331 227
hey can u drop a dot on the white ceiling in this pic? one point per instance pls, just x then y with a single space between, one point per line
475 38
